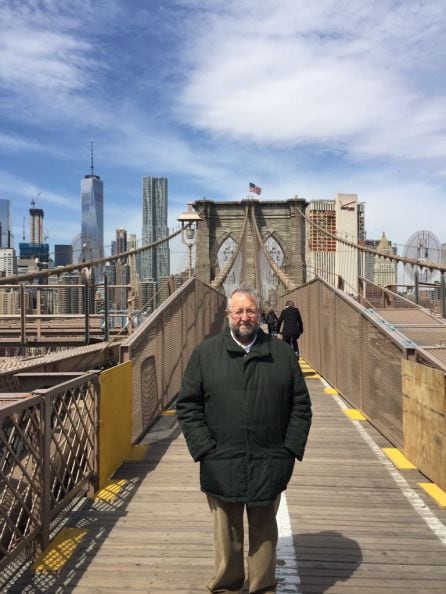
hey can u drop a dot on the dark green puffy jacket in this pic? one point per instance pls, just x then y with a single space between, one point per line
245 417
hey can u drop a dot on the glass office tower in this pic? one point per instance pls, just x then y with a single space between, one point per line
6 237
155 263
92 230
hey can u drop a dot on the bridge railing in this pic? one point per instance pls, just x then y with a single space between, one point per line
59 313
47 457
161 346
398 384
428 295
354 353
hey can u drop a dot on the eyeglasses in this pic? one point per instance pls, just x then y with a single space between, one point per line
238 313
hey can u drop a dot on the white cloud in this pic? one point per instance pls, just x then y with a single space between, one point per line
301 98
48 67
334 74
44 60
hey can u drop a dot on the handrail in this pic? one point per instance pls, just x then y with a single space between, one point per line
97 262
49 455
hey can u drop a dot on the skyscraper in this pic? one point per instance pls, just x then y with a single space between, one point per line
7 262
63 254
132 245
121 241
6 237
35 224
35 248
325 256
155 263
92 229
122 271
385 270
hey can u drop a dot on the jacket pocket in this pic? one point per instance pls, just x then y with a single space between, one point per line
281 468
223 476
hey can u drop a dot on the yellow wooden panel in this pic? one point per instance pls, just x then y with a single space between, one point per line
435 492
59 550
115 419
354 414
398 459
424 413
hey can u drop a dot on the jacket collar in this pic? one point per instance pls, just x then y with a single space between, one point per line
261 347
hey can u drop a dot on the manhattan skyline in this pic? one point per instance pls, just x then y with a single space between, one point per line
300 100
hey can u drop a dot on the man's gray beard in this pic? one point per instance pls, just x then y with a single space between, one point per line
245 332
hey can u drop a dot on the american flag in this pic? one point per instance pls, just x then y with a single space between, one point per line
254 188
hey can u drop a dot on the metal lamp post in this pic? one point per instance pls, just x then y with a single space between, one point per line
189 221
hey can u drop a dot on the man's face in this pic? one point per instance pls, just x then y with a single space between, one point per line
243 316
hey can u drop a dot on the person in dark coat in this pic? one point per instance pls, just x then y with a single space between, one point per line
245 412
271 320
293 326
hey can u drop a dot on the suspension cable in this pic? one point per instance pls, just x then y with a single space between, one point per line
367 250
9 280
289 284
223 275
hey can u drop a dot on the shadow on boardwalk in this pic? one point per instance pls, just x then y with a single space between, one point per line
324 559
99 517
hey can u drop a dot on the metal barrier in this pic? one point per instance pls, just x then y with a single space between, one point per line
389 362
355 352
48 436
160 348
76 359
47 457
58 315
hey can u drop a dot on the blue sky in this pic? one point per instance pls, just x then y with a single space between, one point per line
301 98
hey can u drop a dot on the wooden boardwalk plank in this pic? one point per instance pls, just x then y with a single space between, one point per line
353 530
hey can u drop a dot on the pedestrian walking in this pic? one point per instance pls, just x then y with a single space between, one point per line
271 320
292 323
245 412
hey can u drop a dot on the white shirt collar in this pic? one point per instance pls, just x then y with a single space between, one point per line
245 347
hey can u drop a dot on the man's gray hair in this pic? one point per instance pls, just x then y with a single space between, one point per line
246 290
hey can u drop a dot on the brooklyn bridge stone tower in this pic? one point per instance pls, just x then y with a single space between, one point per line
280 223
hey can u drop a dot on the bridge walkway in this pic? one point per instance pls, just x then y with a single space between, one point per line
350 522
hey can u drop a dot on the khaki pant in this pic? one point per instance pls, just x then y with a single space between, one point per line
228 547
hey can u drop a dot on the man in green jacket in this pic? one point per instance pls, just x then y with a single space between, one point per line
245 412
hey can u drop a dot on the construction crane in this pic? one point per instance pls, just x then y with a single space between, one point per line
34 200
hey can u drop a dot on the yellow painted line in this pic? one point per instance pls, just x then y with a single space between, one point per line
111 490
168 412
398 459
354 414
312 376
330 391
435 492
59 550
139 451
